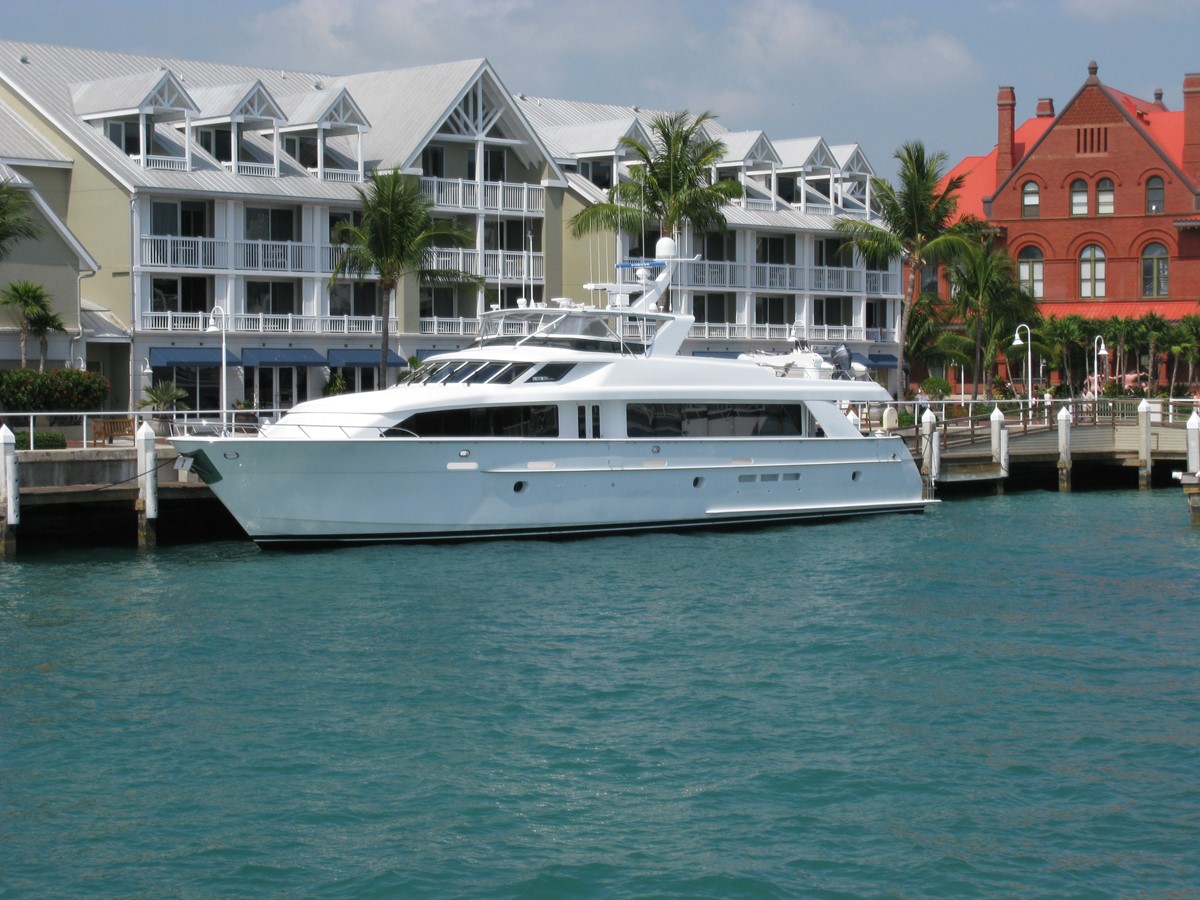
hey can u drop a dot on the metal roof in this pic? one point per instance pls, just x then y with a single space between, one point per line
20 142
590 138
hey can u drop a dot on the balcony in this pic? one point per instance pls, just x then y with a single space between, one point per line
276 256
336 174
461 195
166 163
260 170
267 323
184 252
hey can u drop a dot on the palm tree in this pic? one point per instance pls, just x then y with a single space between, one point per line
1190 326
933 338
670 183
42 324
27 301
917 223
1061 334
15 224
1149 329
988 297
395 238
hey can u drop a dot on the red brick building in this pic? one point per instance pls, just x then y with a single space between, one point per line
1099 203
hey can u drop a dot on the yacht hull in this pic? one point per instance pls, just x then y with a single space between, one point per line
289 492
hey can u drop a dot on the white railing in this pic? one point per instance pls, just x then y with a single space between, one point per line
703 273
506 197
777 277
719 331
880 284
459 193
510 266
337 174
185 252
460 326
170 163
174 321
830 332
837 280
350 324
448 258
273 323
276 256
760 205
262 170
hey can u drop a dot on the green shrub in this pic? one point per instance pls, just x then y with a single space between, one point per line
42 440
59 390
936 388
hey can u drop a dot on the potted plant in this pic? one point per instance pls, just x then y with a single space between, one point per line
162 397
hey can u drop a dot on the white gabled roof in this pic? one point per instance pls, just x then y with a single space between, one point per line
800 153
335 110
151 92
592 138
851 159
748 147
247 101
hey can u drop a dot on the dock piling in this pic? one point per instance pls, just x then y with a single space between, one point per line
10 494
147 502
1145 433
1064 451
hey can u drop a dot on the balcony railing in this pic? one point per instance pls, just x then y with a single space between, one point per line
266 323
276 256
337 174
461 326
836 280
169 163
501 196
185 252
882 283
262 170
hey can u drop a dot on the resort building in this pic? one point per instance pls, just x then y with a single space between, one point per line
190 210
777 275
1098 203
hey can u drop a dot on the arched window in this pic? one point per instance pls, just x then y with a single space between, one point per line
1105 204
1091 272
1079 197
1030 265
1154 195
1030 200
1154 271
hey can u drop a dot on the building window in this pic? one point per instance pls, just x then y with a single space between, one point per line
442 303
1091 272
1154 195
1030 268
720 246
774 310
218 142
1079 197
339 219
833 311
1105 204
272 298
1154 271
1030 200
827 252
598 172
433 162
775 251
357 298
181 295
265 224
714 308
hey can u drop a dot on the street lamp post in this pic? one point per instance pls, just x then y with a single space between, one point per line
212 327
1017 342
1098 350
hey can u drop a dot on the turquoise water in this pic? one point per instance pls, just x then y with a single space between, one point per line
999 698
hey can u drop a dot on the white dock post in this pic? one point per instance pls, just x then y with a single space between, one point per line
928 432
1064 450
1193 442
1145 431
10 494
999 446
147 502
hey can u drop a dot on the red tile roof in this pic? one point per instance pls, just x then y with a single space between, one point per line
1172 310
980 171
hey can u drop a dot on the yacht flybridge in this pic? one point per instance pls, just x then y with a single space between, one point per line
565 419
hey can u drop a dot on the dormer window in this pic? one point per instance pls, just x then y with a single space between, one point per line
217 142
598 172
125 136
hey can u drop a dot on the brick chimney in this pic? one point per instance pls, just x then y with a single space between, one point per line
1045 108
1006 105
1191 126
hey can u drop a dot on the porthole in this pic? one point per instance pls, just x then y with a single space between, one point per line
747 479
698 481
519 487
230 454
791 476
856 475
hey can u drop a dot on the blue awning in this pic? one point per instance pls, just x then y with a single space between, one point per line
718 354
882 361
282 356
359 358
861 360
165 357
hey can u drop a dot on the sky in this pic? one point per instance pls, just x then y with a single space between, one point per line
873 72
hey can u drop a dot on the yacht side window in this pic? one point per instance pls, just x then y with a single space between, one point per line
551 372
512 373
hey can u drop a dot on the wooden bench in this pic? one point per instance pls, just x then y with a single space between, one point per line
104 430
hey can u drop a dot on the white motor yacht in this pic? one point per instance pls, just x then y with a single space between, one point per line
566 419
